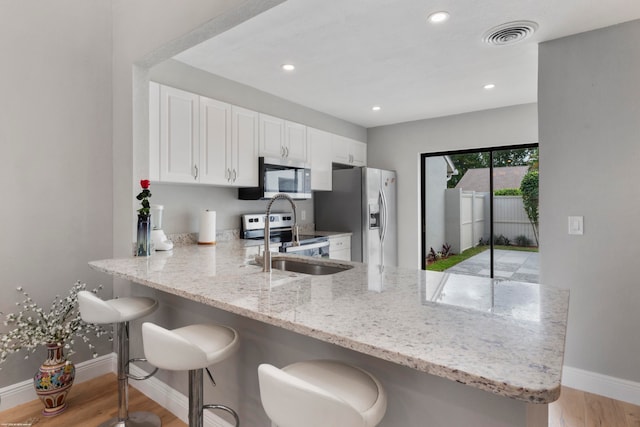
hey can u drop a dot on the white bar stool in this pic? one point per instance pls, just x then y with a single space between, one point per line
192 348
321 393
120 311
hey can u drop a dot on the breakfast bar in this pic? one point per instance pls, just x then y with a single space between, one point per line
502 337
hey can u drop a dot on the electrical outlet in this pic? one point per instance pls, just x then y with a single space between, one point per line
303 215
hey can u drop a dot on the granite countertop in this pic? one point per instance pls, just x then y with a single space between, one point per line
500 336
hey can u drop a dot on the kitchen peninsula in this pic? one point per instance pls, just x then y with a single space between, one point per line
505 338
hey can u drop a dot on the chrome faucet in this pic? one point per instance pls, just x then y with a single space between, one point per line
266 267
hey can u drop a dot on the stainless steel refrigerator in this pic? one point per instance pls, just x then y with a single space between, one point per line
363 201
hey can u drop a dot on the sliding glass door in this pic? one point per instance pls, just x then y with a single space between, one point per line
479 212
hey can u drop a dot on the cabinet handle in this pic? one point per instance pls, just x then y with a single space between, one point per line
287 151
196 169
235 175
282 152
227 175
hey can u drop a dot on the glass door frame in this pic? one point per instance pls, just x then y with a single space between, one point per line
423 204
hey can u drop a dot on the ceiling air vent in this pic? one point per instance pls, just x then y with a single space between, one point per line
509 33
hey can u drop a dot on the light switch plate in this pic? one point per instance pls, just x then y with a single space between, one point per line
576 225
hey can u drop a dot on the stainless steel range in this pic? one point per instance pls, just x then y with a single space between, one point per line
281 225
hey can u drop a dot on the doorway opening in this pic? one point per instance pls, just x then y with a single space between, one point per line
479 212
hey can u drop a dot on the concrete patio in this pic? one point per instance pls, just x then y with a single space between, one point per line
513 265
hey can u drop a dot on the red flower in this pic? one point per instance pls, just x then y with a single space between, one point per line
144 183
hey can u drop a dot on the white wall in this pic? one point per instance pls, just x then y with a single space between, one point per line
589 110
398 147
55 146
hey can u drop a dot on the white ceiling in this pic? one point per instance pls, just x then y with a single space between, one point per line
353 54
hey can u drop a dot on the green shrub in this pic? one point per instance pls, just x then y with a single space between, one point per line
523 240
508 192
501 240
529 188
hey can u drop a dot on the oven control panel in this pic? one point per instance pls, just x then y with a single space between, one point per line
276 220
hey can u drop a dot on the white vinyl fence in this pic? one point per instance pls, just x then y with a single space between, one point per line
467 218
510 219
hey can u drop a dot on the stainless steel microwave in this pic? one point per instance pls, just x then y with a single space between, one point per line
275 175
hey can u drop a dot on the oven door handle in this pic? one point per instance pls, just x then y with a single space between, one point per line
303 247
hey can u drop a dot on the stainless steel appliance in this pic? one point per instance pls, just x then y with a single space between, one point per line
277 176
281 232
363 201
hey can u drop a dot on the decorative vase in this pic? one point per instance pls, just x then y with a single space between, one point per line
54 380
143 245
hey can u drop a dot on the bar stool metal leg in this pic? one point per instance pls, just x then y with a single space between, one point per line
196 407
126 419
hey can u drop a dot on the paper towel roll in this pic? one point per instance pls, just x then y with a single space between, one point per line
207 234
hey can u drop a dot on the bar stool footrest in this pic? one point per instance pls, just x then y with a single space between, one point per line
226 409
140 378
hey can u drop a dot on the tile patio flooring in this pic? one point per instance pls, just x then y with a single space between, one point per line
513 265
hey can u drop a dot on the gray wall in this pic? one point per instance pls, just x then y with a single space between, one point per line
182 76
398 147
55 146
589 110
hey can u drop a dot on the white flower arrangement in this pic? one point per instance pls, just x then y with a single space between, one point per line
35 327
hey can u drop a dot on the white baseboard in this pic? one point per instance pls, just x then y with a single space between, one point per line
23 392
171 399
604 385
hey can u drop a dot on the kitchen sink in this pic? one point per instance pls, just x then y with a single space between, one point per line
316 269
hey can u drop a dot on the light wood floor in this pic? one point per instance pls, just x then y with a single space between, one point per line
95 401
90 403
580 409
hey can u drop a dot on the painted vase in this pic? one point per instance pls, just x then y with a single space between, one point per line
143 244
54 380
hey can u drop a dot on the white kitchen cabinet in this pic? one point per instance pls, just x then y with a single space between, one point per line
179 135
349 151
340 247
228 144
215 142
244 147
319 145
282 139
295 141
195 139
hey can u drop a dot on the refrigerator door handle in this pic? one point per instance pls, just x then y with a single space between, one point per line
383 226
381 216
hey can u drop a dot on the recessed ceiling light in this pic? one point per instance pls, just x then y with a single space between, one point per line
489 86
438 17
376 108
288 67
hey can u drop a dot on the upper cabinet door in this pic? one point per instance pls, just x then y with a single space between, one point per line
295 141
179 131
341 152
349 151
358 153
319 144
215 142
271 136
244 151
